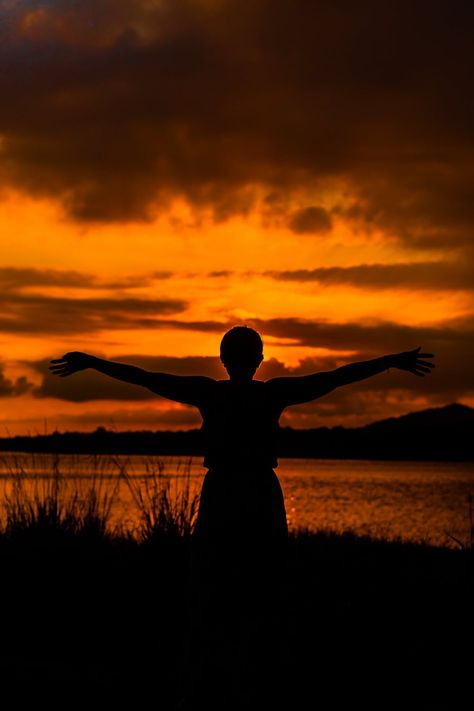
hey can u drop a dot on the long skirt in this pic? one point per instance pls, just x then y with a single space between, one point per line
236 586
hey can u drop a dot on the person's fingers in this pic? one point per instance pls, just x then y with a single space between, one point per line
425 355
57 360
414 371
61 370
422 367
425 362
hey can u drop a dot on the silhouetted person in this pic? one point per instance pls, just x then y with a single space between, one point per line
241 530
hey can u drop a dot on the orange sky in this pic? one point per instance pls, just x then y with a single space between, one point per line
163 180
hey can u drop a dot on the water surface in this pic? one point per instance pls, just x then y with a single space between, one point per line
412 500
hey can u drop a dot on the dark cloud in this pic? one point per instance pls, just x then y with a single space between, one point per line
90 385
116 107
451 341
355 406
10 388
370 336
220 273
14 278
135 281
439 275
41 314
310 220
452 344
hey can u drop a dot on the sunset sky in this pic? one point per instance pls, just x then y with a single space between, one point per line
172 168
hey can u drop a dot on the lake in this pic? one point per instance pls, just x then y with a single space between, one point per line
413 500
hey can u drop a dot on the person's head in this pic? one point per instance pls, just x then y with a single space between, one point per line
241 352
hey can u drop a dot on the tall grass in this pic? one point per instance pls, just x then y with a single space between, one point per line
166 506
54 504
468 543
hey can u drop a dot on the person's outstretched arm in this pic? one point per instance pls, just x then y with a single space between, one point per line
187 389
300 389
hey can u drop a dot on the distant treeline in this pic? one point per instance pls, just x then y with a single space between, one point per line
445 433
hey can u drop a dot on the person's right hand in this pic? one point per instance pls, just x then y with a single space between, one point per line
411 361
70 363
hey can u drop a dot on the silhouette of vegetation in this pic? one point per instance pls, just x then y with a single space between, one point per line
54 506
469 543
105 613
164 511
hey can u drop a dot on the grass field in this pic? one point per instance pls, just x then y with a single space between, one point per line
100 611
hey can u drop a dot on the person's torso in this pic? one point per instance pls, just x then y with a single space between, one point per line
240 425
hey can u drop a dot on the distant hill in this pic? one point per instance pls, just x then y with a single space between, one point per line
444 433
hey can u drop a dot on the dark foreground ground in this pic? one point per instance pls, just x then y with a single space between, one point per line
368 622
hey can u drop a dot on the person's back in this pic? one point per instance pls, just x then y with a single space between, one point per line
242 507
240 425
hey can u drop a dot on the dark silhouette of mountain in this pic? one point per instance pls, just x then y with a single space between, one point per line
444 433
437 417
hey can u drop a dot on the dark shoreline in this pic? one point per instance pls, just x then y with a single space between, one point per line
441 434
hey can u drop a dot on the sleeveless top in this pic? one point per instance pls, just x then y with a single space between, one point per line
240 425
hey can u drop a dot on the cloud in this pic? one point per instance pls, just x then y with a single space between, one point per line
42 314
438 276
91 385
116 107
10 388
356 406
220 273
310 220
15 278
450 342
369 336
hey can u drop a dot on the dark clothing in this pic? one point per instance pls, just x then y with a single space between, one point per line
240 424
239 546
237 575
240 505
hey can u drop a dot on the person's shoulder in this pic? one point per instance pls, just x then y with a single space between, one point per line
269 383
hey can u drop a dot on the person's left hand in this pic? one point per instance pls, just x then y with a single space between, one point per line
70 363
